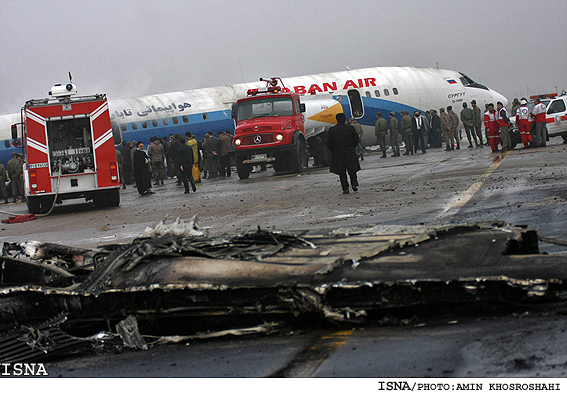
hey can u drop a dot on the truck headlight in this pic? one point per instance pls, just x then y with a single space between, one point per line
237 142
279 137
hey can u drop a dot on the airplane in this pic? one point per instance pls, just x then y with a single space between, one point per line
359 93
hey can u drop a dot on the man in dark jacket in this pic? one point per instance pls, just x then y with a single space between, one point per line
341 141
186 160
142 174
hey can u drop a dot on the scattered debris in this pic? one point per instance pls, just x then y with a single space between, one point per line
216 285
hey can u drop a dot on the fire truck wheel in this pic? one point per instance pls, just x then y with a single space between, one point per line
278 165
33 204
100 200
298 156
113 198
242 169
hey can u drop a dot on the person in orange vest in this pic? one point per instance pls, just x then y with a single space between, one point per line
523 122
492 127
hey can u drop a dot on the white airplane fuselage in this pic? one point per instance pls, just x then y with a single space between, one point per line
358 93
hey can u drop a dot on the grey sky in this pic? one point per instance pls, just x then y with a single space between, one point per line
133 48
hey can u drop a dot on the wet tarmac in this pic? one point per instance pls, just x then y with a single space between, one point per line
422 191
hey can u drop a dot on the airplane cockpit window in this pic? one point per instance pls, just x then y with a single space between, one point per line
469 83
377 93
556 106
395 90
386 92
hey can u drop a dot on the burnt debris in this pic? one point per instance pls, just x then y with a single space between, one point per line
55 298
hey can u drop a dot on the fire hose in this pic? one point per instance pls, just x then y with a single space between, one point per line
15 218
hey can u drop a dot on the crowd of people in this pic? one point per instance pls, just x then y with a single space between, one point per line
180 157
12 175
430 130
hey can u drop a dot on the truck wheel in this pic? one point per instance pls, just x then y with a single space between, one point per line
113 198
278 165
99 200
33 204
242 169
298 157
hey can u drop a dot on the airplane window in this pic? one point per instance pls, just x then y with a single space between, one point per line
123 127
377 93
165 122
395 90
556 106
154 123
175 120
205 116
7 143
185 119
368 94
386 92
134 126
145 124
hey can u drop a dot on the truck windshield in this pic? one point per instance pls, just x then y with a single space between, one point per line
265 106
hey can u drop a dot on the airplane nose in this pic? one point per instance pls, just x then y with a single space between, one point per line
498 97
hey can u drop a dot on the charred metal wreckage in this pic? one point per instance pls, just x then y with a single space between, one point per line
173 283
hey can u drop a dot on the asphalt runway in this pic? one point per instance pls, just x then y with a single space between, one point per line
524 186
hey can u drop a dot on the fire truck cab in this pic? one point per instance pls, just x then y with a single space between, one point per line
69 150
270 129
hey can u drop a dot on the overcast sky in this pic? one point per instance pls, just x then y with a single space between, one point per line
134 48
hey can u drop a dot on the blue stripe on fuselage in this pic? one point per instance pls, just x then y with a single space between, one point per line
196 124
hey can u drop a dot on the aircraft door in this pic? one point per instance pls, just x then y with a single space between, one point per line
356 106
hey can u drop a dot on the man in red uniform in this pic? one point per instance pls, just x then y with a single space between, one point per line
492 126
523 122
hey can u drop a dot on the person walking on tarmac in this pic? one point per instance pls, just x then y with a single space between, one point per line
142 174
15 172
454 125
381 129
3 180
467 119
186 161
394 134
446 129
477 123
407 133
492 127
523 122
419 130
342 140
539 114
503 124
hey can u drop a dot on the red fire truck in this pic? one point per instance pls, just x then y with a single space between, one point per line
270 129
69 151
